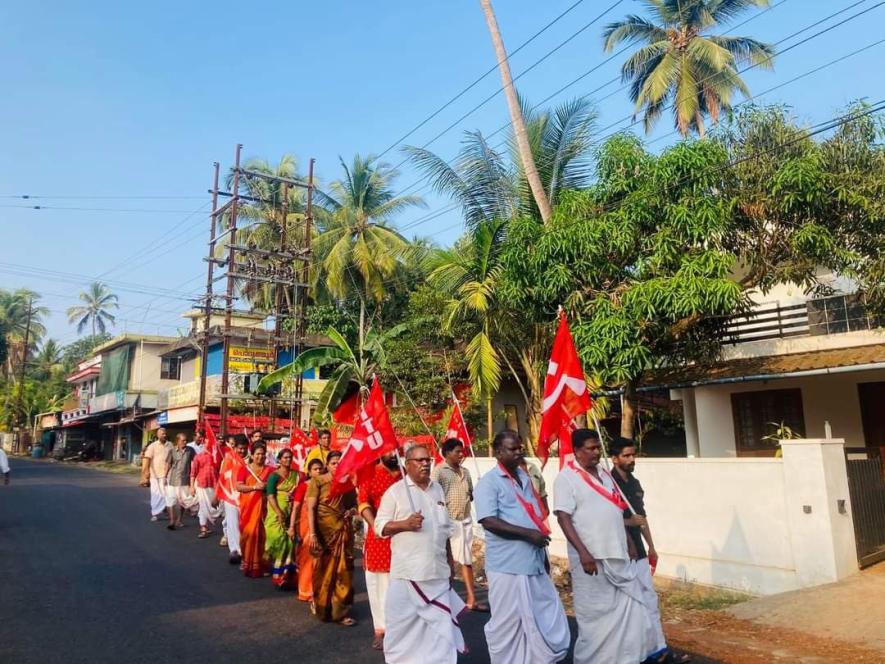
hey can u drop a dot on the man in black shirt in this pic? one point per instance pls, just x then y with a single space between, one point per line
623 456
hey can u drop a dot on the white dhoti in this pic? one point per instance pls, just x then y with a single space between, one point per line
376 588
180 496
158 495
528 624
232 527
650 599
462 541
207 513
422 623
614 624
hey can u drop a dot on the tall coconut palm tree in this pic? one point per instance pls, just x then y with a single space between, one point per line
527 159
681 64
260 222
489 187
357 248
98 301
14 307
48 358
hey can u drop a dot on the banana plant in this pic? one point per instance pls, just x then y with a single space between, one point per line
352 366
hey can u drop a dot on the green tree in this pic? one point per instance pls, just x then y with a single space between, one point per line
95 311
357 248
353 368
14 318
79 350
681 65
48 360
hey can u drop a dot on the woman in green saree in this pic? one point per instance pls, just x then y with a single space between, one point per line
280 538
330 538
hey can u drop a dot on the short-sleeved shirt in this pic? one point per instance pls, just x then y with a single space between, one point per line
598 522
496 497
316 452
458 487
418 555
634 494
203 471
376 550
537 478
180 472
159 455
4 462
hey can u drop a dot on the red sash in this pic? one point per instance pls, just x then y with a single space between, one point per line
613 496
536 518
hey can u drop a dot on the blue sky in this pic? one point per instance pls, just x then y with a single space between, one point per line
105 99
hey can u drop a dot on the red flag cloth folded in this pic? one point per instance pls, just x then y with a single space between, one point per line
299 443
372 437
565 392
212 445
458 427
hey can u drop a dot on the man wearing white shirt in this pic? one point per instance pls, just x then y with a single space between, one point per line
614 624
421 608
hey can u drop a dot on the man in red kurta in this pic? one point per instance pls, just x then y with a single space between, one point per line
376 551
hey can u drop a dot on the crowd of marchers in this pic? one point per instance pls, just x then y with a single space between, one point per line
294 525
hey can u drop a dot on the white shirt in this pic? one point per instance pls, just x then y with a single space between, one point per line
600 523
419 555
4 462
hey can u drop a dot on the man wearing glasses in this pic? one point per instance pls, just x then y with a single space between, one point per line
421 608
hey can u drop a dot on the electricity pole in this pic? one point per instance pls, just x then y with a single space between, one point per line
21 376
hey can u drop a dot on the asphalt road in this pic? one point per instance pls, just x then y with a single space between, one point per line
86 577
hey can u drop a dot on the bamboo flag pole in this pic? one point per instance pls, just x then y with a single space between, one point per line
607 463
402 465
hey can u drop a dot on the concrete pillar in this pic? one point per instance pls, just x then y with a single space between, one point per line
690 417
819 510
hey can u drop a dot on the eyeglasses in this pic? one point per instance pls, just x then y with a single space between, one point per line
421 460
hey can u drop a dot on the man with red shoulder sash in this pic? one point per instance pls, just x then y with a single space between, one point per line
528 624
614 623
421 609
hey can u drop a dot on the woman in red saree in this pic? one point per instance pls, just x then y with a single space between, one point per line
251 483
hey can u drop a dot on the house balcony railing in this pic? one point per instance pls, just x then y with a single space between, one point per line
820 316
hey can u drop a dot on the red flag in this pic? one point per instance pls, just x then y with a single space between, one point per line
347 410
372 438
226 489
299 443
212 445
458 427
565 394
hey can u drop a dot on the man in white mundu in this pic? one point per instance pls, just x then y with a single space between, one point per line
155 458
421 609
614 624
227 493
528 624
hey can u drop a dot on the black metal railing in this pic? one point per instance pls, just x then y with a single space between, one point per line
825 315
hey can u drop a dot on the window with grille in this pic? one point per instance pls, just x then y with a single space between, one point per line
758 414
170 369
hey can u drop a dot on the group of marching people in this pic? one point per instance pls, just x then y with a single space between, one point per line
298 528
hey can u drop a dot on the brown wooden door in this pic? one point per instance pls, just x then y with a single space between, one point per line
872 412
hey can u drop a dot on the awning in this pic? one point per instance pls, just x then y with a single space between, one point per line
809 363
131 419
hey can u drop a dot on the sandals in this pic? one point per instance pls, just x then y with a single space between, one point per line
378 642
347 622
479 607
204 534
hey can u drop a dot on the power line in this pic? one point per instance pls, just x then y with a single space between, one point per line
478 80
92 209
99 197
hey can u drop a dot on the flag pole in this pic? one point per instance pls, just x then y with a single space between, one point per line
466 433
402 465
608 463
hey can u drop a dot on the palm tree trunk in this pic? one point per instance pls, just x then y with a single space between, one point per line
93 327
519 131
628 410
362 324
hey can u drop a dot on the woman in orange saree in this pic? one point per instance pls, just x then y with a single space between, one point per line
330 538
304 559
251 483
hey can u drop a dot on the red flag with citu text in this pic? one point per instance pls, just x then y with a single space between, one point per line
372 437
458 427
565 395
